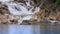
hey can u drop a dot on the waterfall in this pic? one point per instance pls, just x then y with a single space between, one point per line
20 9
5 0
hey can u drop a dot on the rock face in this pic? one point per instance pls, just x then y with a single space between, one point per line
49 16
4 15
4 9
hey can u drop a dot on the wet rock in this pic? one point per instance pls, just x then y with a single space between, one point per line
19 1
25 22
4 9
14 21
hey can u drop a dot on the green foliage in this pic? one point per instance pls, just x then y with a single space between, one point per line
39 2
57 2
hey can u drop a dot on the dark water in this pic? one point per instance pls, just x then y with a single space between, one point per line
30 29
50 29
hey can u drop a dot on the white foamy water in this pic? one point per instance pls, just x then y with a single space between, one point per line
5 0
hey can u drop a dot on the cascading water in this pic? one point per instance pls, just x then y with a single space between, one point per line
20 9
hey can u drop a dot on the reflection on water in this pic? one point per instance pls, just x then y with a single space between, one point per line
30 29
